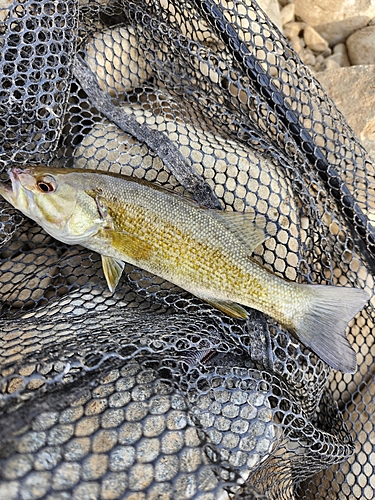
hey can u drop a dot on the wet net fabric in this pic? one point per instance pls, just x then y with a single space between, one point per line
149 393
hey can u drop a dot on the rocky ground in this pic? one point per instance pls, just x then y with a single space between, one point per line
336 39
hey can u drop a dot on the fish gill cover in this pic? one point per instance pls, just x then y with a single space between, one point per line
148 392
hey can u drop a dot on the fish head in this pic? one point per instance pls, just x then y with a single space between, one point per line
46 195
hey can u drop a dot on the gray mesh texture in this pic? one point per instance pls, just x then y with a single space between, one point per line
149 393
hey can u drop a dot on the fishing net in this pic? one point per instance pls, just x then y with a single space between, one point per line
149 393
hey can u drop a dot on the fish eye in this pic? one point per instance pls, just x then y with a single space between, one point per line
46 184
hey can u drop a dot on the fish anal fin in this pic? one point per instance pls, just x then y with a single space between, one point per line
112 271
247 227
227 307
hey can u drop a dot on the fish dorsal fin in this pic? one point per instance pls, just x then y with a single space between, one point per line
112 271
247 227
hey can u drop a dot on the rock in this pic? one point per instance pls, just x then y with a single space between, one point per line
340 55
117 60
308 58
331 64
319 63
272 9
313 40
328 11
335 20
340 48
351 89
338 32
287 13
5 9
297 44
196 30
292 30
361 46
327 52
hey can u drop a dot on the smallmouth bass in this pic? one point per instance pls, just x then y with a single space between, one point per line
205 252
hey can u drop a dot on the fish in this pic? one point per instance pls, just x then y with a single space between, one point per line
206 252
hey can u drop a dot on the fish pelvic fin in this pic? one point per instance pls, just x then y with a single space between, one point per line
322 327
112 271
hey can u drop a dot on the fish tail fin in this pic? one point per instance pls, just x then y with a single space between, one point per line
323 322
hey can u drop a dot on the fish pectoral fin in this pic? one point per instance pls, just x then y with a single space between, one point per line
247 227
132 248
129 245
112 271
231 308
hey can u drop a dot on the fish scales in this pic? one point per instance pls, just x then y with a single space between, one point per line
191 240
205 252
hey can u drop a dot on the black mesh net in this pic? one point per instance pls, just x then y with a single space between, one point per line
149 393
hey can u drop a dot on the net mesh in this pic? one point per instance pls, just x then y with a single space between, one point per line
148 392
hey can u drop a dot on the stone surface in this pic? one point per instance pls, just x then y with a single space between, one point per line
117 60
338 59
335 20
308 58
313 40
4 9
287 13
291 30
352 89
272 9
338 31
361 46
326 11
340 55
331 64
298 44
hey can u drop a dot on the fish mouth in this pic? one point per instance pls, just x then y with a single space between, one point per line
10 189
6 187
